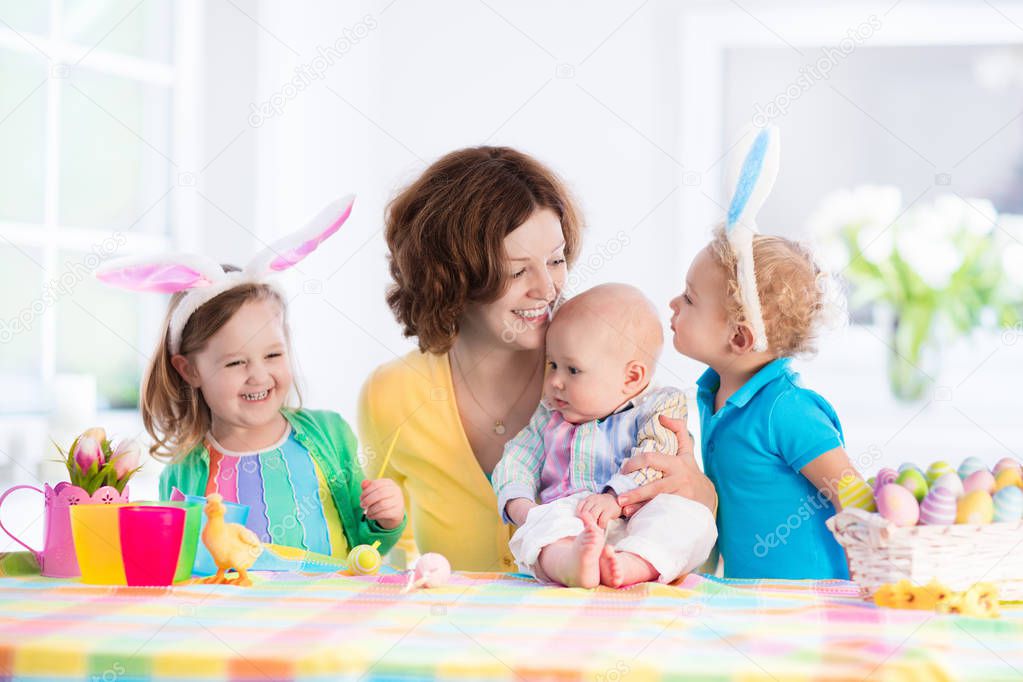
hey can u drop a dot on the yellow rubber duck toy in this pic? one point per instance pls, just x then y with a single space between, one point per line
232 545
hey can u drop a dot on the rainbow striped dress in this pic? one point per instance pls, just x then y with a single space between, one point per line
287 494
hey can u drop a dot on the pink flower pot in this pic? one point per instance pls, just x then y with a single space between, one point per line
57 558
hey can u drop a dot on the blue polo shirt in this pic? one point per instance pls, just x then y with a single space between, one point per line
770 517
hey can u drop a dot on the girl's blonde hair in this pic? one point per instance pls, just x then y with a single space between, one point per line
174 413
797 297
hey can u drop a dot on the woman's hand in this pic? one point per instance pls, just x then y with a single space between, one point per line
382 501
680 474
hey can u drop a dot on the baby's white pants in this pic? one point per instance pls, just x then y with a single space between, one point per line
671 532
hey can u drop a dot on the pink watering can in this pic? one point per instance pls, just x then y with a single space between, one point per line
57 558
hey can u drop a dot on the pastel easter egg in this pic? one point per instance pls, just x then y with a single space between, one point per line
364 559
937 470
975 507
909 465
1008 504
884 477
897 504
952 482
914 481
432 570
969 465
854 493
1006 463
870 482
1008 477
939 507
979 480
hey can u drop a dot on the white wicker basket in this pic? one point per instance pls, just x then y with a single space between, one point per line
957 556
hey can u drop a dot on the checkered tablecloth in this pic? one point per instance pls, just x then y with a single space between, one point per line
483 626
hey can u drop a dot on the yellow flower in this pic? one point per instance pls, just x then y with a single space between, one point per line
902 595
885 596
981 601
953 605
925 597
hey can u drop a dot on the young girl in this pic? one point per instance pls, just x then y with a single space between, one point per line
213 400
774 449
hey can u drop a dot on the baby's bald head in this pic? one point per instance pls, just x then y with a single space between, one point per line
618 317
602 346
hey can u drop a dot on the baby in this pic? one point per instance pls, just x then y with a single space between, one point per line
599 409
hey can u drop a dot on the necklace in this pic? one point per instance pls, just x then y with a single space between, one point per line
499 427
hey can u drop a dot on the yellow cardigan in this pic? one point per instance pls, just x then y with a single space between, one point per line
451 507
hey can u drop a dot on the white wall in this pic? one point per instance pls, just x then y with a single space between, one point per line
427 79
430 79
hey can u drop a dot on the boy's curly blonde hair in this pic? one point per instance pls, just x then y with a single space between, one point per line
794 291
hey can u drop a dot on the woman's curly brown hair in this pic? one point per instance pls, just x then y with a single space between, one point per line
446 231
793 291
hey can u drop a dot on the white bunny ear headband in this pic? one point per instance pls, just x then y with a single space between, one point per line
204 279
751 176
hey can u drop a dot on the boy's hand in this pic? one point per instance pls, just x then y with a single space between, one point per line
518 509
382 501
603 507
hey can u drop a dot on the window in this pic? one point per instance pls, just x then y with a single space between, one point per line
88 125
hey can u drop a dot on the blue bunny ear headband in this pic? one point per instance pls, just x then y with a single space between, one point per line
751 176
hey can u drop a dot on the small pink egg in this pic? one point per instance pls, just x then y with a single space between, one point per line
979 480
432 570
898 505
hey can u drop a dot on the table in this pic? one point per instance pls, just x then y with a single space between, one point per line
484 626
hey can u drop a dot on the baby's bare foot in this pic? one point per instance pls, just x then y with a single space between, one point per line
574 562
587 548
610 569
621 569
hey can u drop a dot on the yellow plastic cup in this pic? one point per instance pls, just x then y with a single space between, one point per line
97 535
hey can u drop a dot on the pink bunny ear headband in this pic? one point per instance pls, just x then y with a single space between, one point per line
204 279
751 176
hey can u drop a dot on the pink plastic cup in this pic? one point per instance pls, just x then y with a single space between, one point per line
150 543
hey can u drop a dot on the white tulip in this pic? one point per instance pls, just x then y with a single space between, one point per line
975 216
870 209
928 251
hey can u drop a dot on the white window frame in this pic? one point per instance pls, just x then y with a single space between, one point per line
181 78
706 34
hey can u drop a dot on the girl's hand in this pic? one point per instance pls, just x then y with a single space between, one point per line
382 501
601 506
680 474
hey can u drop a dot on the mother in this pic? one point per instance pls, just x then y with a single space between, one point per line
479 248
